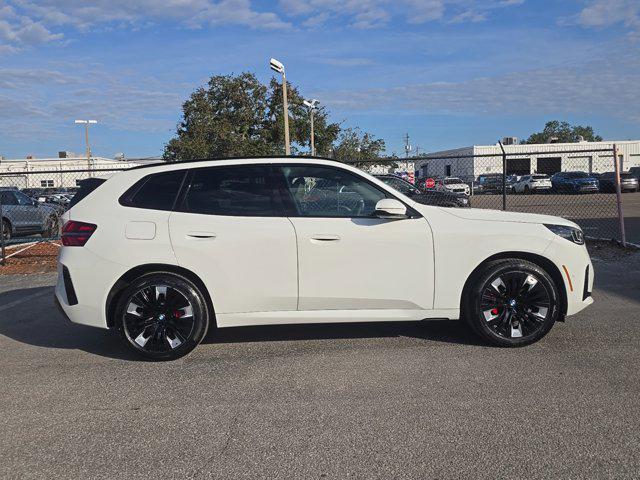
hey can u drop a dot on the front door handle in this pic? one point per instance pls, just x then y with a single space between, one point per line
325 238
201 235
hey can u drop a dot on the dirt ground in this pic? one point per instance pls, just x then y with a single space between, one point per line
39 257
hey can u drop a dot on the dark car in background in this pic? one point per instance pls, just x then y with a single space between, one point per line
628 183
635 171
426 197
489 183
574 182
22 216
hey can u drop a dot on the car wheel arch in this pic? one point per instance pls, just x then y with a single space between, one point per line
121 284
542 262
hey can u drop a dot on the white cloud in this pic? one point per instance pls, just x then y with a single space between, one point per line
375 13
26 23
606 13
605 86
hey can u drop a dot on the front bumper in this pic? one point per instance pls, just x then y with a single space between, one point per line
576 270
587 188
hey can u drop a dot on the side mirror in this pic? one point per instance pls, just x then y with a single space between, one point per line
390 208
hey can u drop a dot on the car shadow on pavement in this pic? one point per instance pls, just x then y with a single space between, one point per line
440 330
29 316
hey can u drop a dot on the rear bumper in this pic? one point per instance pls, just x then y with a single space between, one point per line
84 282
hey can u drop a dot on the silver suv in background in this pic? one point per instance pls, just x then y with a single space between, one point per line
21 215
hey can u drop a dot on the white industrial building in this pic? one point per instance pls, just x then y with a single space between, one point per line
548 158
64 171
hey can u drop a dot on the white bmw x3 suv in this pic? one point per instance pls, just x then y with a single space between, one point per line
160 253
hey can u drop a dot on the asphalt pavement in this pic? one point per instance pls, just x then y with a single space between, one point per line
403 400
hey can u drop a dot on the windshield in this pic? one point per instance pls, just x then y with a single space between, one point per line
452 181
398 184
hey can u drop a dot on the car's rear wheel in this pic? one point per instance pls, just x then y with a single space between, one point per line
6 229
162 316
511 303
50 227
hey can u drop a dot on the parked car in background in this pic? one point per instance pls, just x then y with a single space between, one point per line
628 183
490 183
574 182
425 197
535 183
162 253
635 171
23 216
511 180
452 184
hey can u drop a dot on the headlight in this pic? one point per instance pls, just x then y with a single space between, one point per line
572 234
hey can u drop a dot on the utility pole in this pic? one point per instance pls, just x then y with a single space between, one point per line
407 146
86 124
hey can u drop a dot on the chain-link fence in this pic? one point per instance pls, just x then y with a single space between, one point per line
580 185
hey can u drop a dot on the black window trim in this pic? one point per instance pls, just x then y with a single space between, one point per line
411 212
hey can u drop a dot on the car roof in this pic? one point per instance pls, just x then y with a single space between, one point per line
248 160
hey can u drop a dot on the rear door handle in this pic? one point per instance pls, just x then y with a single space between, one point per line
325 238
201 235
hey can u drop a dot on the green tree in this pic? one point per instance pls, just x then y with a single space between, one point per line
238 116
564 133
358 148
227 117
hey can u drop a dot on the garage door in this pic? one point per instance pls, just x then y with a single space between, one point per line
518 166
549 165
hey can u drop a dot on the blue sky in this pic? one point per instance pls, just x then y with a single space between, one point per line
449 72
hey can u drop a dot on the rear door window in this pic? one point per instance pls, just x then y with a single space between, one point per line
8 198
245 190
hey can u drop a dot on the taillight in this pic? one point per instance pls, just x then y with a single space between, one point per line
76 234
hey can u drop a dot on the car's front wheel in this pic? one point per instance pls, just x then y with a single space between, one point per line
511 303
162 316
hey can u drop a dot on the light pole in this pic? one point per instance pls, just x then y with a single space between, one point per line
312 105
278 67
86 124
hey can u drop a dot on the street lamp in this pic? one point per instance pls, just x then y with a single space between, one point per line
278 67
312 105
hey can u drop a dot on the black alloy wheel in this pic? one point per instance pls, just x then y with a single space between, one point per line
162 316
514 303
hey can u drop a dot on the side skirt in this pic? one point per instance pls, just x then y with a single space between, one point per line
330 316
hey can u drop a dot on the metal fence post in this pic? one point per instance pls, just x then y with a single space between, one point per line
504 177
616 166
2 250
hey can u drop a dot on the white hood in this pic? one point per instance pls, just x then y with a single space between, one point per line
500 216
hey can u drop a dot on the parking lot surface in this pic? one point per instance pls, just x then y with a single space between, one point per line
405 400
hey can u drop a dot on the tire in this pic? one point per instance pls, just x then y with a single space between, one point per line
527 190
5 231
50 227
162 316
504 318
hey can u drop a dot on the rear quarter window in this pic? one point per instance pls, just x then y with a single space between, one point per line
158 191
